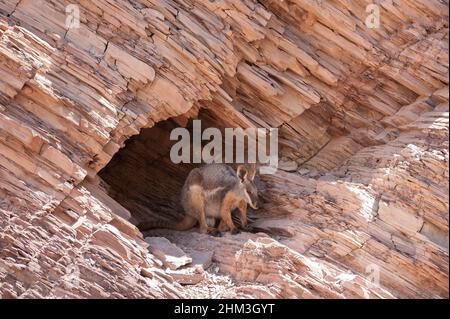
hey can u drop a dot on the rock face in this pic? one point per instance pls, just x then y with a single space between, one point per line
360 209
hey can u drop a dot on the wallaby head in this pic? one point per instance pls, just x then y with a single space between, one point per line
246 175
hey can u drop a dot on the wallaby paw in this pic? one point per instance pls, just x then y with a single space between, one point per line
214 232
235 231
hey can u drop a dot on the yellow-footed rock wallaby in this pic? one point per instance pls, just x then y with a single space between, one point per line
213 191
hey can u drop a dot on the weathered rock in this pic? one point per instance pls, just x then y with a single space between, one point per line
171 255
287 165
201 259
362 112
186 276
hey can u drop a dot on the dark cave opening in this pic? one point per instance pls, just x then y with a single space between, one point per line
142 177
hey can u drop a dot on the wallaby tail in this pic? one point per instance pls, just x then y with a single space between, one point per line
185 224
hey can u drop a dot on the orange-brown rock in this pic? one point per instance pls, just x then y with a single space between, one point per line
359 207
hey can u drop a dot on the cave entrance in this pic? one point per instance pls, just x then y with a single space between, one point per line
142 177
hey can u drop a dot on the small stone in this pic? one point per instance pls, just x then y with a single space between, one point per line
287 165
187 276
303 171
202 258
171 255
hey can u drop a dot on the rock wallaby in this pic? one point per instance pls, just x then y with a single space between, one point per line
213 191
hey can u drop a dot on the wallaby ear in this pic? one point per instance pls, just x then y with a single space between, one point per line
241 172
251 168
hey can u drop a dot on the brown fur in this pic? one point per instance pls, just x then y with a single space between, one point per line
213 191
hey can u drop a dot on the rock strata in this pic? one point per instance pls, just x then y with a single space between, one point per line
359 210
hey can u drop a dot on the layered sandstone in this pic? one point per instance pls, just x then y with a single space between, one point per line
363 119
